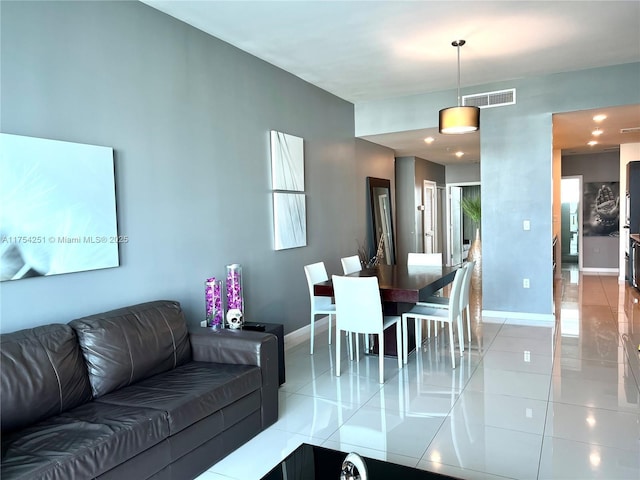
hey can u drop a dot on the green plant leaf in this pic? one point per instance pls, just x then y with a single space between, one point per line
472 208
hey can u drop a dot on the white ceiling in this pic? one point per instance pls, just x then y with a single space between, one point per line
367 50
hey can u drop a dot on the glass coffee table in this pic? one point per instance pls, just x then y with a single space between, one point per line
310 462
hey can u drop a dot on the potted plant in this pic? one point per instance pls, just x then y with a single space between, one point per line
472 208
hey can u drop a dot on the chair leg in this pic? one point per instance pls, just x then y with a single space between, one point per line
381 356
468 316
460 329
330 318
418 335
462 347
337 351
405 342
312 331
399 342
356 336
453 346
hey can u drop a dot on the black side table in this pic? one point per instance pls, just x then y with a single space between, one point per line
276 329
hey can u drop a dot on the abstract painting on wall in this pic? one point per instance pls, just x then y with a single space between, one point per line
289 210
601 211
58 207
289 201
287 162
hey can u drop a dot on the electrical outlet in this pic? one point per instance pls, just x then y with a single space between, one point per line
525 283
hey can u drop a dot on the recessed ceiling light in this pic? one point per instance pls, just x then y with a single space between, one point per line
429 140
599 118
596 132
592 143
459 154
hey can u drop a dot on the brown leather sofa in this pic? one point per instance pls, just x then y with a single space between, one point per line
131 394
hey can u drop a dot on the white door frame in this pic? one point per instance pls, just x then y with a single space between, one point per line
448 213
580 209
430 190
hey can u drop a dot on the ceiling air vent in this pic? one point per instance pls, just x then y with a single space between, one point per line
490 99
630 130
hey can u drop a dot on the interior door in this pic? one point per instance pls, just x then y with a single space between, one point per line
455 225
429 217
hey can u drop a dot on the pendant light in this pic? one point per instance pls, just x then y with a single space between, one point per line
456 120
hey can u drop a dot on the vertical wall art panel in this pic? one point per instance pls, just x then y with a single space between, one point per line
287 177
287 162
57 208
601 214
290 215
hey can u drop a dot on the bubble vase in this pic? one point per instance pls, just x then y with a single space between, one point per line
235 297
213 303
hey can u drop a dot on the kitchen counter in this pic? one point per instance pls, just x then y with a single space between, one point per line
635 237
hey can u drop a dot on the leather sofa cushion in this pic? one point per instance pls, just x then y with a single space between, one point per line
124 346
191 392
81 443
42 374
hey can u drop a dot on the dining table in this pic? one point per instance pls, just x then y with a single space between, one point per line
401 287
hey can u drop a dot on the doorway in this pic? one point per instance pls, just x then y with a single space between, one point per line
462 230
571 220
429 217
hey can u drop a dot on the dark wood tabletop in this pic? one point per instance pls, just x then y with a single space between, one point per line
400 283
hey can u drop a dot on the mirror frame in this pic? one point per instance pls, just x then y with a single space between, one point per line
376 215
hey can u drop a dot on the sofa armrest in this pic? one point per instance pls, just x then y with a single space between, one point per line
241 347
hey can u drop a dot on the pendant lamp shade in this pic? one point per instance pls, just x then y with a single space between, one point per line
457 120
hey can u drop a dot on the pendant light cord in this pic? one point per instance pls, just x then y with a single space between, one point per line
457 43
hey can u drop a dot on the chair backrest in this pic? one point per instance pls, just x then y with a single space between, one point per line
351 264
315 273
358 304
466 284
425 259
456 290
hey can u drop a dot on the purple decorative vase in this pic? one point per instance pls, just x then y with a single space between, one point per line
213 302
235 299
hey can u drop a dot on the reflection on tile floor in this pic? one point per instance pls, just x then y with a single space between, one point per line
524 402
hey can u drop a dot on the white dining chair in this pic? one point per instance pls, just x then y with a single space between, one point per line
316 273
351 264
449 316
359 310
465 293
426 260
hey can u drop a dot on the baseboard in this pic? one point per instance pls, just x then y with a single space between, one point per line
601 271
295 338
519 318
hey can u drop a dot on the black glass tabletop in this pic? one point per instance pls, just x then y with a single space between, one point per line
310 462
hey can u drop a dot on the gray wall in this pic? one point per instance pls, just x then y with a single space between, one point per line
516 172
463 173
373 160
597 252
411 172
189 118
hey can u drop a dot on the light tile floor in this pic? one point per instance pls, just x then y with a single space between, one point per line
524 402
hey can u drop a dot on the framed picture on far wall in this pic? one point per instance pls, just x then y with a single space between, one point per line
601 209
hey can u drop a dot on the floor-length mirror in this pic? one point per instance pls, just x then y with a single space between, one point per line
382 220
